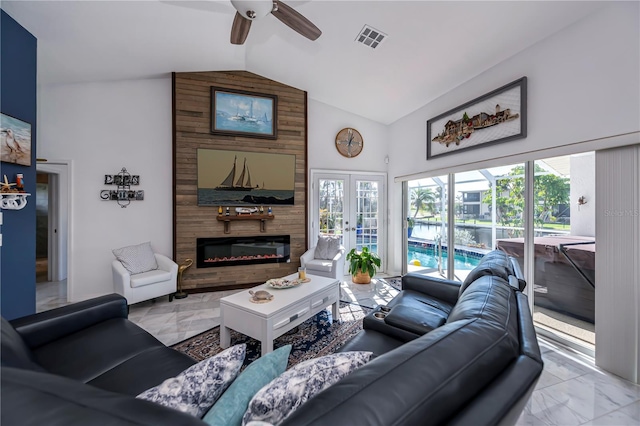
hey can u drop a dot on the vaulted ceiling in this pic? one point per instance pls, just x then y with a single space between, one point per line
432 47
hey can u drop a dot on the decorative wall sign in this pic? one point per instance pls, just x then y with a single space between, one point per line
240 113
498 116
123 194
118 180
15 140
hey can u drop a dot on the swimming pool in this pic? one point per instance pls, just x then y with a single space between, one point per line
429 258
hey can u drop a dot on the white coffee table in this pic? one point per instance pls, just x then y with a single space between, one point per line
289 308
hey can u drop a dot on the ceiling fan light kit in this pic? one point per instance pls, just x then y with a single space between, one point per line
251 10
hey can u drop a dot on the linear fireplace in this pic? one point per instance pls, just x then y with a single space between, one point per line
227 251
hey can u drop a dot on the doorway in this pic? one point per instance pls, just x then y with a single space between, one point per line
53 193
351 206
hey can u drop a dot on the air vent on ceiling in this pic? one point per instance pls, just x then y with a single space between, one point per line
371 37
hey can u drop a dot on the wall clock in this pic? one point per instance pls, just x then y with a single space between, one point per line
349 142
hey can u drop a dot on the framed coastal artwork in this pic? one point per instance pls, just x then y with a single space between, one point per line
15 140
241 113
498 116
238 178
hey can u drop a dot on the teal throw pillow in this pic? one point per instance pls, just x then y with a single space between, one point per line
232 405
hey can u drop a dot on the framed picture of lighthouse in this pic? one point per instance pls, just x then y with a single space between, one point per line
241 113
498 116
238 178
15 140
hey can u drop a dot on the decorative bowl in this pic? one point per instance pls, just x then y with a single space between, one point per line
280 283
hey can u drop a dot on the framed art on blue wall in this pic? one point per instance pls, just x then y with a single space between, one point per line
241 113
15 140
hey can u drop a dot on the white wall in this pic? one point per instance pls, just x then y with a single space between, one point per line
583 184
324 123
103 127
583 84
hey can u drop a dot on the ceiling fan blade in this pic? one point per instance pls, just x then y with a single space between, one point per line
240 29
294 20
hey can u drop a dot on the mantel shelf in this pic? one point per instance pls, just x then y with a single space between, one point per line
228 219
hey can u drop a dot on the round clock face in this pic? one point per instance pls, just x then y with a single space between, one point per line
349 142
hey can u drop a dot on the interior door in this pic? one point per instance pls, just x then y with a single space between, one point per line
350 206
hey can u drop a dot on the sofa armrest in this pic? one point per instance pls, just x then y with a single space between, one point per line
166 264
45 327
121 278
307 256
437 287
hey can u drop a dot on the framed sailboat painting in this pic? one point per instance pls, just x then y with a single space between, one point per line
238 178
241 113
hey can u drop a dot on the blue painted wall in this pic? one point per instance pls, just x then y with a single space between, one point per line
18 55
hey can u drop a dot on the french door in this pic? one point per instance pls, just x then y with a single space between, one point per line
350 206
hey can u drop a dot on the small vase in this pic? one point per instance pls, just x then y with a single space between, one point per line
361 278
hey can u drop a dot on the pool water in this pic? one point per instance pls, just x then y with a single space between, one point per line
429 259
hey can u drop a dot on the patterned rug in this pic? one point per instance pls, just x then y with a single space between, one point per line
395 282
318 336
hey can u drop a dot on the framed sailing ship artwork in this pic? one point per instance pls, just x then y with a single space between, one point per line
498 116
241 113
238 178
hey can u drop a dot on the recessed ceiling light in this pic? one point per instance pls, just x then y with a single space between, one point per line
371 37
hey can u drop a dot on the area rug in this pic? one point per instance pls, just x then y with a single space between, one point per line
318 336
395 282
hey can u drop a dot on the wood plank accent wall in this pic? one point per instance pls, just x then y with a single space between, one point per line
191 130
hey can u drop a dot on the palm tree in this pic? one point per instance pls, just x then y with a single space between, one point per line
422 199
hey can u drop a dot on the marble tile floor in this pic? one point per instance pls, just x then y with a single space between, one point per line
571 390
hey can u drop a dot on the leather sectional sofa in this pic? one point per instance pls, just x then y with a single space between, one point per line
448 354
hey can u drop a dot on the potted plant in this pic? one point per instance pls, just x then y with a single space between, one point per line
411 222
363 265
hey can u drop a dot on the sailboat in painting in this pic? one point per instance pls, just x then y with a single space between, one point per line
240 183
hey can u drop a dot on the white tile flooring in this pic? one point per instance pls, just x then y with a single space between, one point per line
571 390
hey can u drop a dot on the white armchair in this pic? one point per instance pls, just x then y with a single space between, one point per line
146 285
332 268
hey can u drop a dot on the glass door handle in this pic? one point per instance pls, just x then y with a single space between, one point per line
353 229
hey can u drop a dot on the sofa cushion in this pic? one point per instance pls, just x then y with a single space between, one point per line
494 263
233 403
198 387
418 300
143 371
327 247
14 351
38 398
137 259
149 277
92 351
372 340
418 321
489 298
277 400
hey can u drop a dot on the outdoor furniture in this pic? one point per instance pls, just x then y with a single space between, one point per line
564 279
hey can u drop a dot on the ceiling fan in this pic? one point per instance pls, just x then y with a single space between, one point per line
249 11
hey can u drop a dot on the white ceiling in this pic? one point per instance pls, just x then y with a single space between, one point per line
432 46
